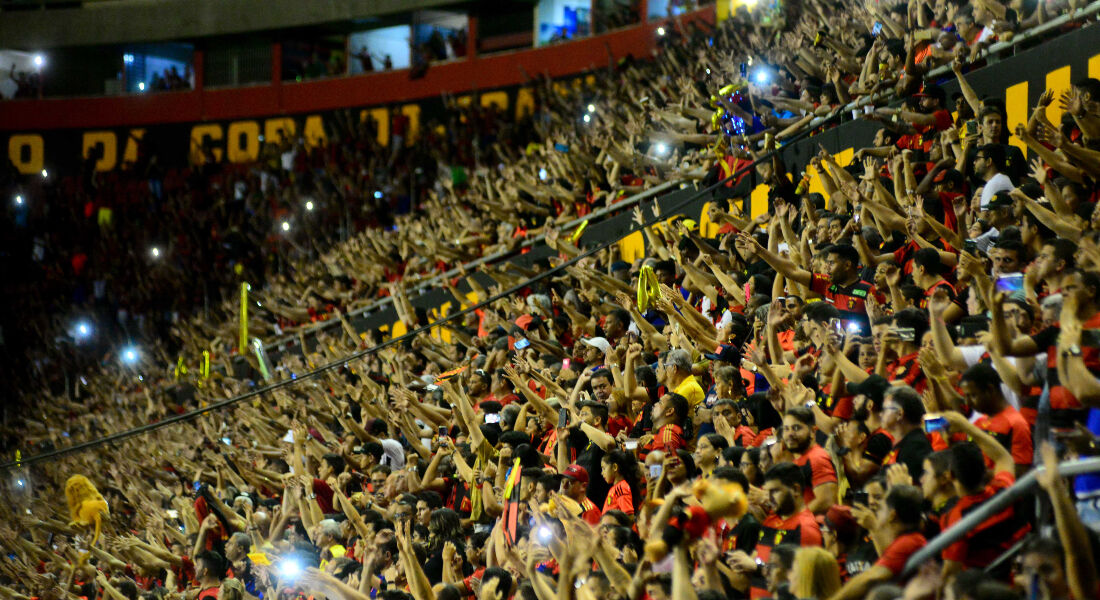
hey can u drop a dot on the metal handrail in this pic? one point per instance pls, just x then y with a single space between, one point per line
435 279
997 503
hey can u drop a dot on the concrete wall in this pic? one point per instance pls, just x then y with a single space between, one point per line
128 21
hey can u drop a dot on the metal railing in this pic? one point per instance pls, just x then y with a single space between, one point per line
474 264
1024 486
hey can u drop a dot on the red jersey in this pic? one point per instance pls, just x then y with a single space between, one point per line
817 468
619 498
993 536
898 552
1010 429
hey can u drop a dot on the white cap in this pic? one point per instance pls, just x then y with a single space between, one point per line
598 342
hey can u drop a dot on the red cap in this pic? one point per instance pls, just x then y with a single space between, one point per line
841 520
576 472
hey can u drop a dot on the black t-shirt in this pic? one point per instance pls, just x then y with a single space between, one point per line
433 568
911 451
862 557
590 456
747 532
878 446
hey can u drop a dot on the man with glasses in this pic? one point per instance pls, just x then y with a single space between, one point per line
903 418
674 371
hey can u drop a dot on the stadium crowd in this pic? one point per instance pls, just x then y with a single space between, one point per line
869 365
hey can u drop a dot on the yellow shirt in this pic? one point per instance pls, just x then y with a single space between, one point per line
689 388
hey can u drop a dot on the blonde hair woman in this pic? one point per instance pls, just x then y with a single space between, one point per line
814 574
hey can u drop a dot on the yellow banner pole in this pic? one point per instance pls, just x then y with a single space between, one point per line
242 343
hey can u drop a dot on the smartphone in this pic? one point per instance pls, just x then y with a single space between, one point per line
1012 282
855 114
971 127
837 327
855 217
782 247
934 422
868 109
906 334
492 418
876 29
744 70
629 444
565 363
970 246
860 497
561 147
443 431
197 484
522 343
227 441
431 387
654 471
563 417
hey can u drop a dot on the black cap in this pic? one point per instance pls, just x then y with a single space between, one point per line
725 353
874 387
931 90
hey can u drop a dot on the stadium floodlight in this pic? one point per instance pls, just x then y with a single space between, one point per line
39 61
141 86
309 205
155 252
45 174
129 355
587 118
18 200
591 108
660 31
286 225
83 330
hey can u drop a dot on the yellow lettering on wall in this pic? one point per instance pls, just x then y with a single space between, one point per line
1094 67
204 135
398 330
441 333
279 129
381 118
464 100
498 98
412 111
632 247
525 102
130 154
758 200
27 152
105 141
243 141
1016 107
314 131
1057 80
